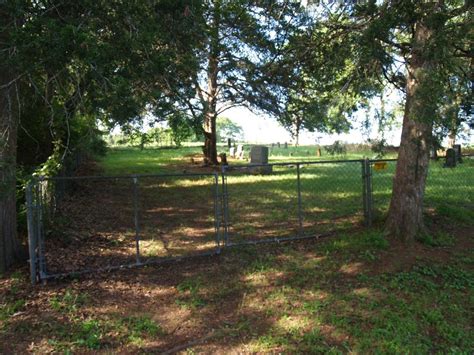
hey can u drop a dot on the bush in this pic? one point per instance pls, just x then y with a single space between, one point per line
337 148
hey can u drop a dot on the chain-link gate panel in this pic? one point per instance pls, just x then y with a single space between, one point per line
84 224
178 216
332 195
262 203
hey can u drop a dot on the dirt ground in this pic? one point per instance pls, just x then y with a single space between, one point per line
225 316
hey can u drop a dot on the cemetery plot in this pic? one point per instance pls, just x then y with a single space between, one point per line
452 186
448 182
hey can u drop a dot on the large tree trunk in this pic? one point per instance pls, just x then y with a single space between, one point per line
452 137
296 130
9 244
405 216
210 105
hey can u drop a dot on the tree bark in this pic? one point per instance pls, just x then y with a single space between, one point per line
452 138
9 244
296 130
405 216
210 104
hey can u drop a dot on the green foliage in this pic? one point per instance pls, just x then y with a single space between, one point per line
227 129
456 213
69 302
181 128
439 239
337 148
190 297
379 146
89 334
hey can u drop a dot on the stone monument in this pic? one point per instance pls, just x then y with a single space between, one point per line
259 157
450 158
457 150
240 152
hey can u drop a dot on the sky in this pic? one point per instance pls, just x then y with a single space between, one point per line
262 129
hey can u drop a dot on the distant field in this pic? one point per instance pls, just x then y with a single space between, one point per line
128 160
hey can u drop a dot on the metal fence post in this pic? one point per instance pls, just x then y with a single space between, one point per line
225 206
217 213
135 212
364 191
40 228
367 191
300 210
31 231
368 181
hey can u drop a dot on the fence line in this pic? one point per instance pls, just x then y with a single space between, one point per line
115 222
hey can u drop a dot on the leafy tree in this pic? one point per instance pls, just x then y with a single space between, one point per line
241 61
416 46
227 129
180 128
62 60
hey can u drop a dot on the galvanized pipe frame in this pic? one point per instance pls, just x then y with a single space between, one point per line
35 206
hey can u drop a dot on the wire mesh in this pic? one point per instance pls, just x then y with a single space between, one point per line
381 178
261 204
450 186
280 201
332 196
90 225
177 216
99 223
84 224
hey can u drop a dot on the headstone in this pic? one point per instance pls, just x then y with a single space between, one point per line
273 144
286 145
229 142
318 152
240 152
259 156
433 154
232 152
457 151
450 158
278 144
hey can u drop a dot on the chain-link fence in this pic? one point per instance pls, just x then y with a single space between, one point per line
444 185
291 200
83 224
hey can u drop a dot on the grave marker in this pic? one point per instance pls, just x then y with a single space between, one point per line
457 150
259 156
450 158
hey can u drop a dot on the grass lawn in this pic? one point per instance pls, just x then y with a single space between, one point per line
354 291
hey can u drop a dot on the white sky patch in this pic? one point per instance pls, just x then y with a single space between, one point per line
266 130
